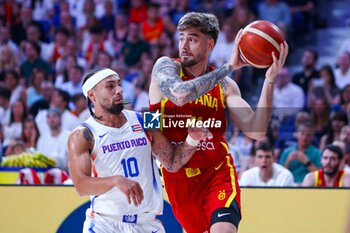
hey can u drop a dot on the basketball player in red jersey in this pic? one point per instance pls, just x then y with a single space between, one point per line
204 193
330 175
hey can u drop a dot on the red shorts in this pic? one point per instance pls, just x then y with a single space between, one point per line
195 194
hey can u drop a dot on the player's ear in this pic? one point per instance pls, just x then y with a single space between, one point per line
211 44
91 95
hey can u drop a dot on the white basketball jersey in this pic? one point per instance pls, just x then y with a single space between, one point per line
125 151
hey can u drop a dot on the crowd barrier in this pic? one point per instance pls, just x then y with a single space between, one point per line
45 209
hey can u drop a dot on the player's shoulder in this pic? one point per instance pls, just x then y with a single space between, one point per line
81 133
229 87
166 61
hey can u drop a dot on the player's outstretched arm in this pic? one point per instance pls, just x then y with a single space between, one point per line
254 124
175 157
166 82
80 142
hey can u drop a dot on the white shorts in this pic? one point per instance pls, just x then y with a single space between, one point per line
98 223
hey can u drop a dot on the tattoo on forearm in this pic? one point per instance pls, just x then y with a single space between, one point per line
166 72
174 158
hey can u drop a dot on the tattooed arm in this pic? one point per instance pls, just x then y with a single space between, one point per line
175 157
80 143
166 82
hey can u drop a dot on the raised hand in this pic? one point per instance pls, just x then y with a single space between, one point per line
277 64
131 189
236 60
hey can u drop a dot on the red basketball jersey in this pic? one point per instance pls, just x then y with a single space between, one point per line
321 182
209 109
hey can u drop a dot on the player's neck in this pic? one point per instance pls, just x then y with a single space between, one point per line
198 69
112 120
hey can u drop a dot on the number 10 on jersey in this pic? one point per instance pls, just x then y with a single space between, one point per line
130 167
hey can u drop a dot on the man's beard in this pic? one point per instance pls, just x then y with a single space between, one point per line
332 172
188 63
191 62
116 109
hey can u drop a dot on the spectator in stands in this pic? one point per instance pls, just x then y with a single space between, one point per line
56 48
96 44
12 130
242 15
107 20
245 145
5 39
266 172
46 88
53 141
66 21
302 15
70 57
120 32
303 157
80 109
320 112
33 61
15 147
138 11
153 27
345 46
33 35
330 174
283 104
342 73
5 95
309 72
134 46
222 50
324 87
8 59
19 27
84 11
12 82
345 98
335 124
60 100
34 91
141 96
103 59
73 85
276 12
30 134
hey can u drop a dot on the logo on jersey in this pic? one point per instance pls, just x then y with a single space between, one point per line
151 120
222 195
136 128
130 218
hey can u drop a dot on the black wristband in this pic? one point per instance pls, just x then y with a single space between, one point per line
308 163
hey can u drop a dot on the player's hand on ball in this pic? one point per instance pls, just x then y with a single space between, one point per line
277 64
200 133
236 60
131 189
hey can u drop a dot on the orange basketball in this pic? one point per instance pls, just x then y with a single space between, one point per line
259 39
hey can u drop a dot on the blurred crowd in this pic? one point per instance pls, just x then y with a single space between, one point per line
47 45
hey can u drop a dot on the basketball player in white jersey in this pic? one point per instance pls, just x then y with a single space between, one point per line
111 160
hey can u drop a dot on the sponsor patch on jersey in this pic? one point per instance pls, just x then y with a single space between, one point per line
136 128
130 218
